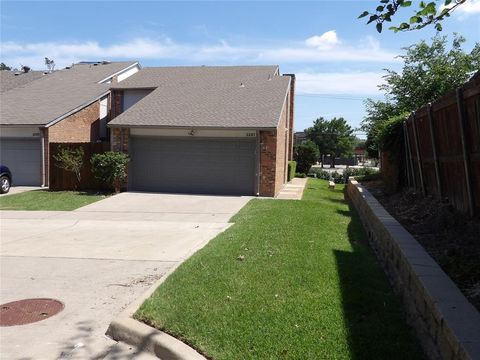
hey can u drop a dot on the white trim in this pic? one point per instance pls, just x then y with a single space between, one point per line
195 133
119 72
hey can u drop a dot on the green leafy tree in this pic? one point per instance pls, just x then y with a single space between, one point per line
334 137
110 168
429 72
71 159
428 13
305 154
4 67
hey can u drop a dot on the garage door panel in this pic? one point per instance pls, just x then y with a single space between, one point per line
24 158
213 166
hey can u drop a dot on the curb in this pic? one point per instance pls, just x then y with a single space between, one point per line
146 338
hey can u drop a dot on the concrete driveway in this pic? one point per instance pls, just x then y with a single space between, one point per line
97 260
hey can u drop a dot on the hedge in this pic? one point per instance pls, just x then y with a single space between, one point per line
292 167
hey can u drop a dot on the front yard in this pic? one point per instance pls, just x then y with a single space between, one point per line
48 200
289 280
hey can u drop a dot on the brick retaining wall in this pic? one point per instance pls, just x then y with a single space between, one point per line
447 325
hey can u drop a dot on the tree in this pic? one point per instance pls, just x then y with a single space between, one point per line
305 154
427 14
110 168
334 137
50 64
4 67
70 160
429 71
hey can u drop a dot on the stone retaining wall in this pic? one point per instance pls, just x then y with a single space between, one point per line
447 325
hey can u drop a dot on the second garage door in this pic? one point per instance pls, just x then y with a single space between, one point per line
186 165
24 159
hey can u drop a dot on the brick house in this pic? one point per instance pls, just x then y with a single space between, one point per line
69 105
217 130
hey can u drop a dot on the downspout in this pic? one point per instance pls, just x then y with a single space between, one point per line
42 131
257 192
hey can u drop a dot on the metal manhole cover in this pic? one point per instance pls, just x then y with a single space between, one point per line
28 311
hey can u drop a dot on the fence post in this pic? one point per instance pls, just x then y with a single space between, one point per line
466 163
434 150
417 148
410 161
407 163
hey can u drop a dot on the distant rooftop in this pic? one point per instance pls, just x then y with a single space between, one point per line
53 95
12 79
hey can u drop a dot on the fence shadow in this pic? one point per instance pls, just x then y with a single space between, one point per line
374 319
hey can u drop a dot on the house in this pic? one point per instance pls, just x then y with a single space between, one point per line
13 79
299 137
69 105
215 130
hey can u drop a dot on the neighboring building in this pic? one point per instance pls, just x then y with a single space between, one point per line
299 137
216 130
13 79
69 105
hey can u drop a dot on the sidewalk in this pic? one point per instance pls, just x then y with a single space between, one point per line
293 190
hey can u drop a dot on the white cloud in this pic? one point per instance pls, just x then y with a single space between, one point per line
470 7
464 10
316 49
325 41
352 83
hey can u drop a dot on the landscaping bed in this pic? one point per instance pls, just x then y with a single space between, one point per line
449 236
49 200
289 280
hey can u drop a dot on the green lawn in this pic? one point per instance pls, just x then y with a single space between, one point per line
307 288
48 200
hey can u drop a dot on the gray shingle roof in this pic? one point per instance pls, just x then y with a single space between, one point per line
54 95
220 97
8 79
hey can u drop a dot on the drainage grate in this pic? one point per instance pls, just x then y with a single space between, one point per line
28 311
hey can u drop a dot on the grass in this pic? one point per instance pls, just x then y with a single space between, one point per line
48 200
307 288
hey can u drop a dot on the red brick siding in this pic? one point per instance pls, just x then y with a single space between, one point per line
268 153
117 103
282 149
291 101
119 139
275 151
82 126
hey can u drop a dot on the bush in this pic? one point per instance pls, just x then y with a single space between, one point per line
305 154
110 168
292 167
342 178
300 175
70 159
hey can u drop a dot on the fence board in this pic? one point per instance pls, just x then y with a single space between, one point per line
449 149
64 180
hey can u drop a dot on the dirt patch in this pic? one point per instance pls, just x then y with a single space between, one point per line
449 236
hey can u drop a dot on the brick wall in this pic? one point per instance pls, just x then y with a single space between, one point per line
119 139
83 126
117 103
446 324
268 153
291 107
46 154
275 151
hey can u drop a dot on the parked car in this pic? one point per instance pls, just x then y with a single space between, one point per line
5 179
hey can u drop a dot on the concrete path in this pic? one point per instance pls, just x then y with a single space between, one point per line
21 189
293 190
97 260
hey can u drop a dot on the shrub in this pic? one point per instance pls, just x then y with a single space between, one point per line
292 167
300 175
70 159
110 168
305 154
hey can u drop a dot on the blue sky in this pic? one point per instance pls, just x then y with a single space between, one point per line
338 60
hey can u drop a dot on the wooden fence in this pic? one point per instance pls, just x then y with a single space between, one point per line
442 148
60 179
